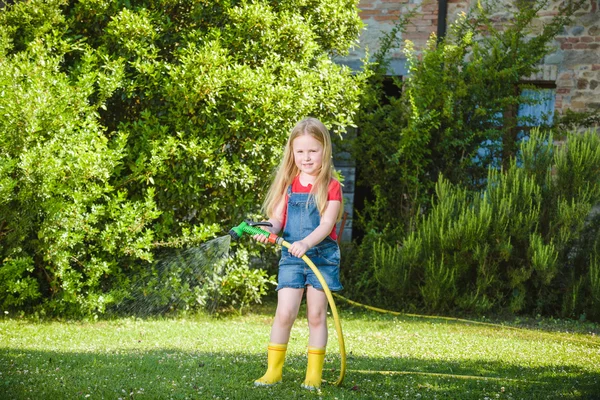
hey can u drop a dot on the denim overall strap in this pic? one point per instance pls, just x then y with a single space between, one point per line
302 216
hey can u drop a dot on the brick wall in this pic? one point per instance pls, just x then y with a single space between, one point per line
574 64
578 62
380 17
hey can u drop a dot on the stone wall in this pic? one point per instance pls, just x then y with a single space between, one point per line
380 16
578 61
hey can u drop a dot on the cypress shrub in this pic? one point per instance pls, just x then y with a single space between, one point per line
526 243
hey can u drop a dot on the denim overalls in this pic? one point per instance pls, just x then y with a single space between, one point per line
301 221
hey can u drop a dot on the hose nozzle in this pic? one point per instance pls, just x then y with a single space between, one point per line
234 235
251 228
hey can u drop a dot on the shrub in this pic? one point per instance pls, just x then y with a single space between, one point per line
186 280
455 114
63 226
134 125
524 244
210 92
241 285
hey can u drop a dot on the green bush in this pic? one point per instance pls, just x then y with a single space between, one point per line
198 277
455 113
127 126
241 285
63 225
527 243
454 116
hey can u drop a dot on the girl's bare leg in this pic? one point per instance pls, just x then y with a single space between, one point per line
288 304
316 302
316 305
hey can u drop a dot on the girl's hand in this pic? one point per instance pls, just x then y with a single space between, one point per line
274 229
261 238
298 249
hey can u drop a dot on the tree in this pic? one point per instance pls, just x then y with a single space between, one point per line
456 113
171 116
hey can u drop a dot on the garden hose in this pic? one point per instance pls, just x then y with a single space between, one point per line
251 228
453 319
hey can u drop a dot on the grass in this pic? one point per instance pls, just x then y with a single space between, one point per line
389 357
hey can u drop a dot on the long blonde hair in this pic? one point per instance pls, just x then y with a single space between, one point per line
287 170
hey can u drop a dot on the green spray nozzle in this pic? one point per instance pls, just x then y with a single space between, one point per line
249 227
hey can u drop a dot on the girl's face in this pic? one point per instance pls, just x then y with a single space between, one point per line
308 154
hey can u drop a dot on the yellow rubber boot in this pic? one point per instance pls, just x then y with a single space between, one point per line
275 358
314 370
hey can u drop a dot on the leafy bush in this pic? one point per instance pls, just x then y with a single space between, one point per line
455 113
524 244
241 285
454 116
63 225
127 126
199 277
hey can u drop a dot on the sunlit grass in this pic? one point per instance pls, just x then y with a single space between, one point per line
201 357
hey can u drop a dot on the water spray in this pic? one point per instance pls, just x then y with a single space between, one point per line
178 278
252 228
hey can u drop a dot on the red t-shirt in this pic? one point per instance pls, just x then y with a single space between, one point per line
334 192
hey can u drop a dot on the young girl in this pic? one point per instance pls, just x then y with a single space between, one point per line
306 201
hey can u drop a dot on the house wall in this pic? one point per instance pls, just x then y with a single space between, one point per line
573 64
345 165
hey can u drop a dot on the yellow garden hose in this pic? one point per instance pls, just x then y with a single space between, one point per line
462 320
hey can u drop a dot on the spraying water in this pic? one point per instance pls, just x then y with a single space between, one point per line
179 279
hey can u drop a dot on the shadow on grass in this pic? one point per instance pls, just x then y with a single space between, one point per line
165 374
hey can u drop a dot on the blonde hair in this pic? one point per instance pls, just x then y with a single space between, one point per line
287 170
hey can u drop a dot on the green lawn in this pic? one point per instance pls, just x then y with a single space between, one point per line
389 357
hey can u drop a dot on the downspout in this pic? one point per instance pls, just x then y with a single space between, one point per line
442 19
